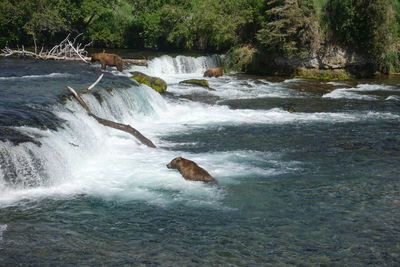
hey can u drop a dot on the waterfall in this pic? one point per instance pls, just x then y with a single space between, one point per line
58 152
166 66
81 156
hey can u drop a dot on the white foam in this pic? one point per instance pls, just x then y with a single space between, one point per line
51 75
293 80
181 116
393 98
121 169
85 157
174 69
229 87
336 83
353 93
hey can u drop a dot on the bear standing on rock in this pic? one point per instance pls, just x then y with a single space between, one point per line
214 72
191 171
108 60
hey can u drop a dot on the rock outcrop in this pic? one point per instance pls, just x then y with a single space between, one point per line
156 83
329 62
198 82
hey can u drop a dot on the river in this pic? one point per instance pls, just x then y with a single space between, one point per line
312 187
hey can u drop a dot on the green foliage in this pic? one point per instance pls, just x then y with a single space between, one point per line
290 28
13 17
369 26
239 58
108 28
197 24
48 21
319 6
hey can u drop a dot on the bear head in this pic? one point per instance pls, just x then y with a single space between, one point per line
175 163
94 57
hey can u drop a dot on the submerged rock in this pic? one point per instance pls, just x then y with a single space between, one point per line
199 82
321 74
289 107
16 137
156 83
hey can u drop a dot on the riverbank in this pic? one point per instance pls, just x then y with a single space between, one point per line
329 63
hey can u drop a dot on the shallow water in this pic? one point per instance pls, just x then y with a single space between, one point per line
319 186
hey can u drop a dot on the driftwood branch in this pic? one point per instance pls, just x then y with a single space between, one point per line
65 50
126 128
76 51
79 99
119 126
95 83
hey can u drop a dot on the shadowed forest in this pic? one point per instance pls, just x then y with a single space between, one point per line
288 28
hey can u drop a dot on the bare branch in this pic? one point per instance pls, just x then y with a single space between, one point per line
73 48
79 99
64 50
77 37
95 83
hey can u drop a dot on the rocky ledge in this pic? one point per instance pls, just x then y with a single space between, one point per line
329 62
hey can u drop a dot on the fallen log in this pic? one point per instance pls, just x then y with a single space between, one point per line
65 50
126 128
23 53
119 126
79 99
139 62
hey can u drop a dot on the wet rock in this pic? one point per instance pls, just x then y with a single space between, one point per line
98 97
63 99
329 62
156 83
322 74
16 137
199 82
289 107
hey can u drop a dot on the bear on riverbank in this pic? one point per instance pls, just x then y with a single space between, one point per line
214 72
108 60
190 170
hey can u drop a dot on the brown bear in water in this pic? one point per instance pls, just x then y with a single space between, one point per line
214 72
191 171
108 60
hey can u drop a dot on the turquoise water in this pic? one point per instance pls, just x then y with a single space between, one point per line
319 186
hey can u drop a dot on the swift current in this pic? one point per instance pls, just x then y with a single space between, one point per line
316 186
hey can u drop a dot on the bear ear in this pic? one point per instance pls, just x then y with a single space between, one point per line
179 158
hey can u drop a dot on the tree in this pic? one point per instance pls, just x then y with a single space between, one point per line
290 28
368 26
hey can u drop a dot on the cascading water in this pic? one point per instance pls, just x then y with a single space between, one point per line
171 68
299 188
59 154
167 65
